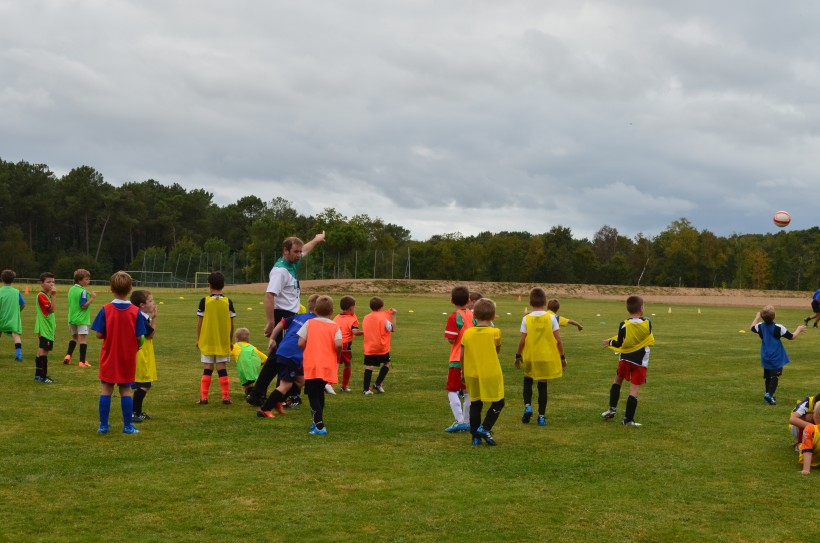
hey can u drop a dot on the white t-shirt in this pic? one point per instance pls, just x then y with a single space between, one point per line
286 289
538 314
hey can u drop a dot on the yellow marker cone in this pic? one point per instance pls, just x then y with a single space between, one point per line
698 311
670 310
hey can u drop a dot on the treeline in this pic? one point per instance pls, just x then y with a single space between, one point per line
169 233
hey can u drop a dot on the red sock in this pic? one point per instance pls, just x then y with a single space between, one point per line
204 386
346 376
225 385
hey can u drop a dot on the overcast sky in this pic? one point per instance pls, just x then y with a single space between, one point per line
440 116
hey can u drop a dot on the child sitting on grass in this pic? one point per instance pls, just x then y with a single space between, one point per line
482 371
121 326
772 353
248 359
810 444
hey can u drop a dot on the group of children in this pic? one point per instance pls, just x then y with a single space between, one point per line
311 349
313 346
474 373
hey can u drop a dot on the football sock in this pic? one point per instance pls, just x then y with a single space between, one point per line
44 364
127 407
71 345
542 398
614 396
274 398
527 390
294 391
346 375
104 408
38 366
467 404
492 414
368 375
224 383
475 415
771 384
205 383
315 389
139 395
83 351
455 406
382 375
631 406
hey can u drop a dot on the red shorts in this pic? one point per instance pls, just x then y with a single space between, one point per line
454 383
345 355
631 372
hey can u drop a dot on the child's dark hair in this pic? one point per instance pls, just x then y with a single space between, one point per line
8 276
81 274
484 310
460 295
376 303
121 283
216 280
140 297
634 304
324 306
347 302
538 297
553 305
475 296
767 314
46 275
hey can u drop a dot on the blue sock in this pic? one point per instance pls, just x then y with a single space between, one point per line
105 409
127 405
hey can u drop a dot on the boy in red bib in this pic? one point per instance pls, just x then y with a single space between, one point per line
121 326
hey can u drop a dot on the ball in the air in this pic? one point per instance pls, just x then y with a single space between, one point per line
782 218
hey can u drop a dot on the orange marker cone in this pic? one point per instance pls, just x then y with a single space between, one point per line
519 297
26 291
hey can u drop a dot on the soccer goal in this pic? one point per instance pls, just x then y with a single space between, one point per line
204 280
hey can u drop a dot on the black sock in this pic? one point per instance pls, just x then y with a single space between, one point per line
382 375
44 364
18 345
527 390
771 385
542 398
139 395
368 375
71 345
492 414
83 351
294 391
475 415
631 406
315 389
274 398
614 396
38 366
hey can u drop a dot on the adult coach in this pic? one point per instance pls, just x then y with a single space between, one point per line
815 306
281 301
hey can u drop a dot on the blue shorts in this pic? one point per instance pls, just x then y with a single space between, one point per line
288 369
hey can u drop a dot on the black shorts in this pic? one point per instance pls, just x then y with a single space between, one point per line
376 359
288 369
46 344
815 306
772 373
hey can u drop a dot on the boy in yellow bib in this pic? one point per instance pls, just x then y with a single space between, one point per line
541 352
632 345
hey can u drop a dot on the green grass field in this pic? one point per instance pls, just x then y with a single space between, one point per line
711 463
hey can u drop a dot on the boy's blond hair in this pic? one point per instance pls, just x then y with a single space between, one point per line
324 306
311 305
475 296
484 310
80 274
121 283
767 314
243 334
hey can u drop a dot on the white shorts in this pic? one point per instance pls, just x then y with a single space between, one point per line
78 329
214 359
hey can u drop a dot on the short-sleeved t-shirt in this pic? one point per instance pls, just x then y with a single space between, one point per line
283 283
772 353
